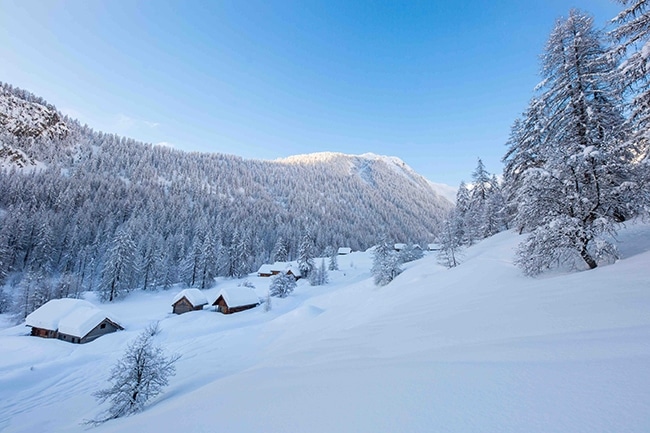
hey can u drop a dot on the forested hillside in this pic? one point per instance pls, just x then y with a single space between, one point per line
81 209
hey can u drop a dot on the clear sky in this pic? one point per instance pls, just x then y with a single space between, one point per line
436 83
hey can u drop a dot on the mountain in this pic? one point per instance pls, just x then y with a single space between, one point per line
68 193
475 348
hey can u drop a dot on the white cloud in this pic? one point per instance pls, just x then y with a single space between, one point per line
127 122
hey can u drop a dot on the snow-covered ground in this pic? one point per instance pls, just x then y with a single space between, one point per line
478 348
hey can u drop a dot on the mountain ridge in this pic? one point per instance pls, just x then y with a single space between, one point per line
84 188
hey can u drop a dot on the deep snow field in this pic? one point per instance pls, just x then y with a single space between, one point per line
477 348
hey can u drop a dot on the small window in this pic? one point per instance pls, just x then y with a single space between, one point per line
102 326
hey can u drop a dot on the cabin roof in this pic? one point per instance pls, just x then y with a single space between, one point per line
82 320
345 250
195 296
238 296
280 267
74 317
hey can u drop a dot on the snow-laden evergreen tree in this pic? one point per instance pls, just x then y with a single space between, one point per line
631 37
482 218
572 180
332 253
140 375
385 263
209 262
119 267
450 244
319 275
632 43
282 285
280 253
461 213
306 255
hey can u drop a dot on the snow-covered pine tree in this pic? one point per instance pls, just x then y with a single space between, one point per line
282 285
332 253
306 255
575 184
631 37
385 263
117 274
209 262
140 375
279 253
461 213
450 244
319 276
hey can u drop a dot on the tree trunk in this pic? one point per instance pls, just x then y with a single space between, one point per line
587 258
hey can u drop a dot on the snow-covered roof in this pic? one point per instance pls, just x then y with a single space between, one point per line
265 269
48 315
434 247
195 296
80 321
400 246
74 317
239 296
280 267
345 250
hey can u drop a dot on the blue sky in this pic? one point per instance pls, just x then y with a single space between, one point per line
436 83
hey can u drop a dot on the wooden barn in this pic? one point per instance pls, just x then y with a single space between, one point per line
235 299
188 300
72 320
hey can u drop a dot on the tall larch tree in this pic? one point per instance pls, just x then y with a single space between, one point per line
570 163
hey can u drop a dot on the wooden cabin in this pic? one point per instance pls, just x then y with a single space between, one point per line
343 251
188 300
279 268
72 320
235 299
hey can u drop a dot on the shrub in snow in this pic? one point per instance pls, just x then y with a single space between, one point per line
139 376
282 285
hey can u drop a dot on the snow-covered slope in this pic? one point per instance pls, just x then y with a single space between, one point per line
475 348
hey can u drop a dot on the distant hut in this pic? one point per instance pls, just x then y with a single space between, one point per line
343 251
399 247
434 247
188 300
279 268
72 320
235 299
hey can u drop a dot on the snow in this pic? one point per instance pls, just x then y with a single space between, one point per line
344 250
195 296
74 317
80 321
478 347
51 313
239 296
